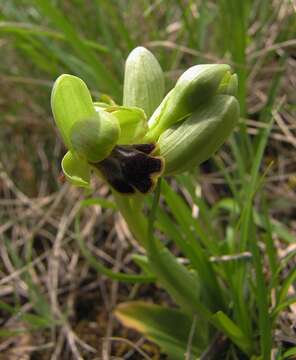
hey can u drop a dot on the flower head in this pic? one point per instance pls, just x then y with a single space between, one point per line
130 146
104 139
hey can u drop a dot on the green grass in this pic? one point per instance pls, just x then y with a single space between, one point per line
44 38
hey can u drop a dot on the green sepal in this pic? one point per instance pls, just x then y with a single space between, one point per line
143 81
76 170
194 140
70 102
94 138
195 86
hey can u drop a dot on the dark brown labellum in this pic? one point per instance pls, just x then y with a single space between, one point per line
131 168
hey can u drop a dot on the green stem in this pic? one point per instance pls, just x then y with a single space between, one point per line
174 277
133 217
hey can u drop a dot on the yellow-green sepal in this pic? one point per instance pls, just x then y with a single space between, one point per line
70 102
76 170
195 139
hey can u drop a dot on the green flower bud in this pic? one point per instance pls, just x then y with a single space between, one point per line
93 139
143 81
197 85
195 139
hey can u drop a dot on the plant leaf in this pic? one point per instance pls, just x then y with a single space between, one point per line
290 354
142 262
234 333
160 325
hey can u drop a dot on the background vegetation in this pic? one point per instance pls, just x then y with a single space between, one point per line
53 304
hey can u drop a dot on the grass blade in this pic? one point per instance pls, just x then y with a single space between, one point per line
228 327
104 78
19 28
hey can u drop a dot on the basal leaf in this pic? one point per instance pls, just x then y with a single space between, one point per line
169 328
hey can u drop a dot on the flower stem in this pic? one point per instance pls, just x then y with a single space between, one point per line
133 216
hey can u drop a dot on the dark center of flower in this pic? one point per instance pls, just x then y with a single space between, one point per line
131 168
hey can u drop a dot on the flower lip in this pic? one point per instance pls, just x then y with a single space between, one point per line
132 168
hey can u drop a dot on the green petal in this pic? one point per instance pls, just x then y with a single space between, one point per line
76 170
70 102
133 124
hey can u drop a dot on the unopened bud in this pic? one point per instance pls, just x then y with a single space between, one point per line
197 85
195 139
